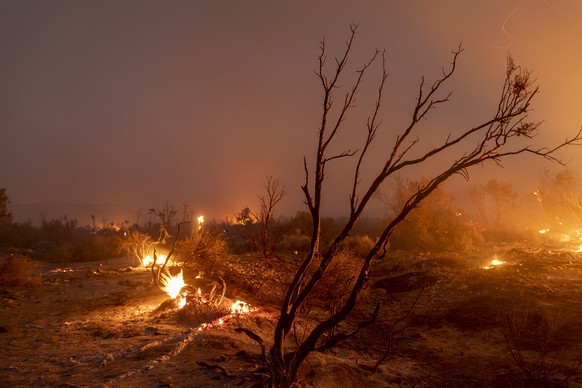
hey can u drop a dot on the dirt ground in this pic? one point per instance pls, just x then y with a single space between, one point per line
106 324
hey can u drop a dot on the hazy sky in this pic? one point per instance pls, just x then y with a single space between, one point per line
143 102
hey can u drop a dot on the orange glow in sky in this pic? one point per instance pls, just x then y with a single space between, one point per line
135 103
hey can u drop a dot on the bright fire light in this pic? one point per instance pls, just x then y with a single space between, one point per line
240 307
544 231
200 222
579 250
172 284
493 263
147 261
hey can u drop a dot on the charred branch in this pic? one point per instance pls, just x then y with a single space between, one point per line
492 140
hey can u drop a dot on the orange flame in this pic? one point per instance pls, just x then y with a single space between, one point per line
172 285
240 307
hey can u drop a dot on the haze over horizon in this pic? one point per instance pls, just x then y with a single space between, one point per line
139 103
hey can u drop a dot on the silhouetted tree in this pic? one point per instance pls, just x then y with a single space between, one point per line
560 198
493 201
499 137
260 228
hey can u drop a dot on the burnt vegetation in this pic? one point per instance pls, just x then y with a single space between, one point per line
490 284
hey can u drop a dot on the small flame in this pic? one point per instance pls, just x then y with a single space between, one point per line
493 263
147 261
579 250
172 284
544 231
240 307
62 270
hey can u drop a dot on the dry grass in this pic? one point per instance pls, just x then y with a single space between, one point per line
16 270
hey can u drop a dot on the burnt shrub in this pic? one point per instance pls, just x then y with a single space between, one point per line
337 282
17 270
295 242
204 250
436 225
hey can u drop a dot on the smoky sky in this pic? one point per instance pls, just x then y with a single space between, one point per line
145 102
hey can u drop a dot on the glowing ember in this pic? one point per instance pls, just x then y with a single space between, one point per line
62 270
172 284
544 231
493 263
240 307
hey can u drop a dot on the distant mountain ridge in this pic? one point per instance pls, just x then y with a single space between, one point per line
105 213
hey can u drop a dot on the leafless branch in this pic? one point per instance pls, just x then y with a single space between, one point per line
493 140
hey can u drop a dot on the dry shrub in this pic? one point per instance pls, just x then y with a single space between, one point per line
16 270
136 244
296 242
360 244
205 251
530 336
337 282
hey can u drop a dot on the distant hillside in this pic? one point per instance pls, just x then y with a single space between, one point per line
104 213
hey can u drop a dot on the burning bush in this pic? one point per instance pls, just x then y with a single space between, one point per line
137 245
18 270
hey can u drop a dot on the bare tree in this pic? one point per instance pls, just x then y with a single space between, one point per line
167 217
259 228
499 137
493 201
561 199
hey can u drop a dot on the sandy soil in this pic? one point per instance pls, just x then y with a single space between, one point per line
105 324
